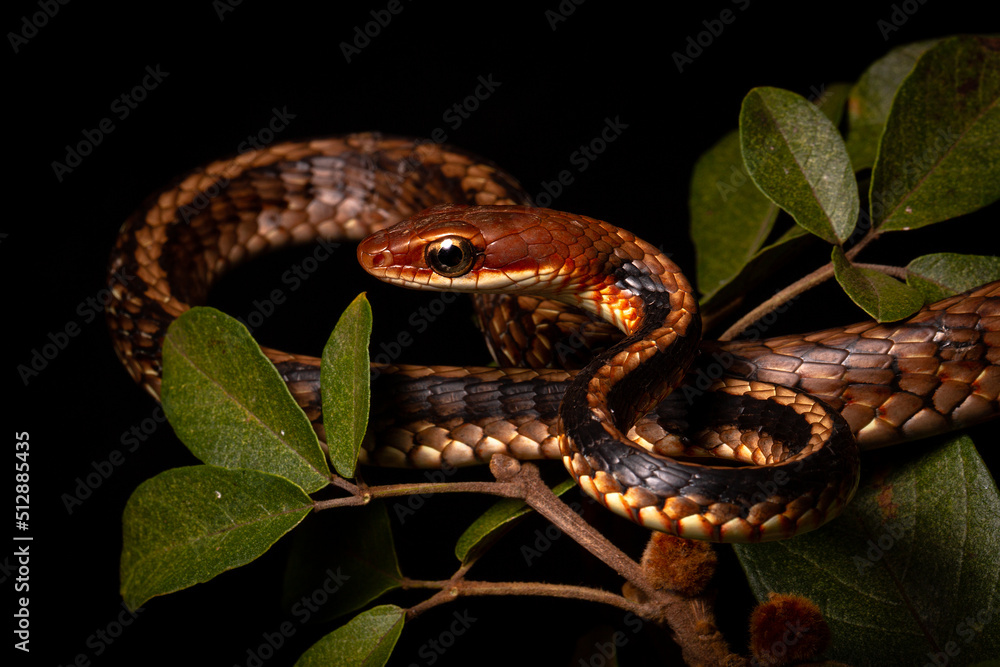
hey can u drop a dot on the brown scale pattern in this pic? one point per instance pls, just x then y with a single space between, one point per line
928 374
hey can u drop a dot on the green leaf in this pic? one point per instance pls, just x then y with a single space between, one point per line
730 217
945 274
187 525
340 561
881 296
940 155
796 157
345 378
493 523
228 404
911 565
871 98
366 641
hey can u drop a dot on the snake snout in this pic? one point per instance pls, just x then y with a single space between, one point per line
374 254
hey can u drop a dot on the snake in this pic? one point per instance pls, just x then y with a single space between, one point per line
642 399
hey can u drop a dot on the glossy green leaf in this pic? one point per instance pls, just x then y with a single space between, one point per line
945 274
340 561
493 523
228 405
366 641
939 157
909 571
187 525
730 217
881 296
796 157
871 98
345 380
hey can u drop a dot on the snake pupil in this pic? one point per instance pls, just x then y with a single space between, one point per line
451 256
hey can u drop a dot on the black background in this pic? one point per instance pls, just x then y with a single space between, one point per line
226 75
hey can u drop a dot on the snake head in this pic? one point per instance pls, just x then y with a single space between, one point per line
515 249
468 248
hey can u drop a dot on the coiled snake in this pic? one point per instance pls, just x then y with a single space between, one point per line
794 408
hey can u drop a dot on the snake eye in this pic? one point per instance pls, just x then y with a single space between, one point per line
451 256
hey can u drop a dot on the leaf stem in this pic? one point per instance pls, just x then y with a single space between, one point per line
895 271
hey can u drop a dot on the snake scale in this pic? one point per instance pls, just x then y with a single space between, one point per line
790 408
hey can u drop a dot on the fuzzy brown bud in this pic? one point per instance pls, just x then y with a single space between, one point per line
677 564
787 629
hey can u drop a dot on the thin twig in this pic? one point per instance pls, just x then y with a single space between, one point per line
817 277
452 589
360 497
801 285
